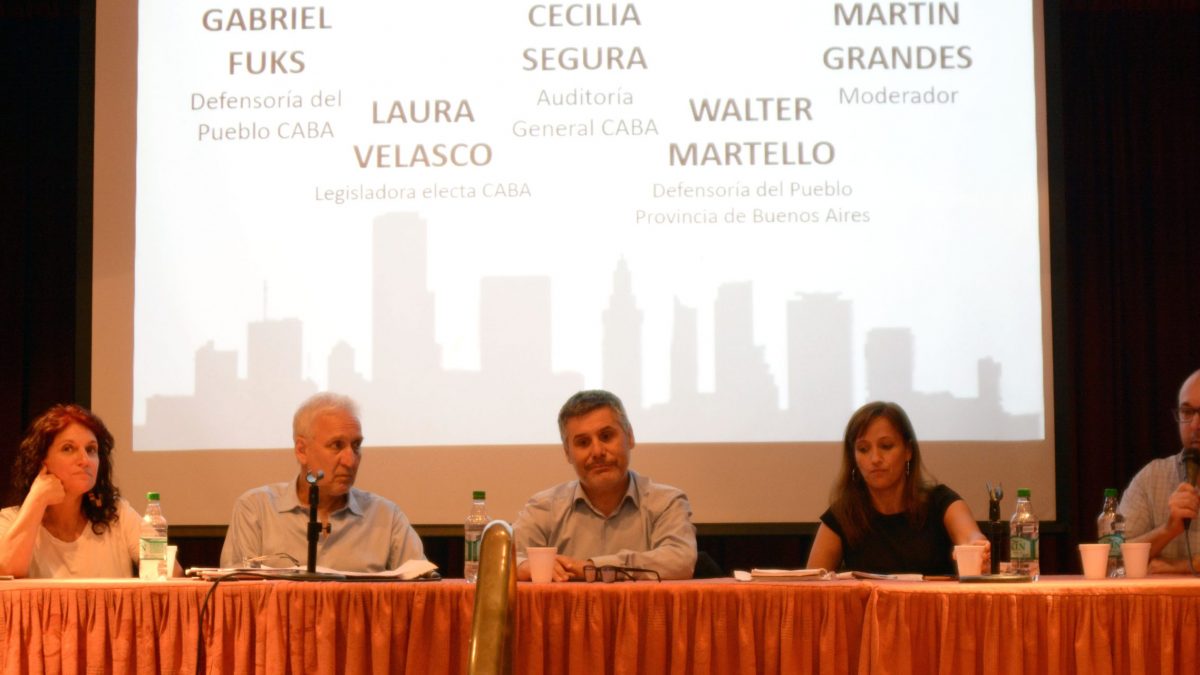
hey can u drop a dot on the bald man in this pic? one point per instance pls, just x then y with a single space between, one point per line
1159 497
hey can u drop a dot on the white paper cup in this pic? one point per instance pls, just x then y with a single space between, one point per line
172 549
541 563
970 559
1095 560
1137 558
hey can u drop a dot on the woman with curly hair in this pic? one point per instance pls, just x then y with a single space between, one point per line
885 516
72 521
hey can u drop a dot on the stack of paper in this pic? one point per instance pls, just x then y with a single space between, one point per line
816 574
412 569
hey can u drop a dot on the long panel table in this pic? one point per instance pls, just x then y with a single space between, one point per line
1056 625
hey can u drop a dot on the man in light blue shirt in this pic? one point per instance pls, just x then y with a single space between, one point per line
610 515
365 533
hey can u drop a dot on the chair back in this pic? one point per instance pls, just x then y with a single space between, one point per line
494 623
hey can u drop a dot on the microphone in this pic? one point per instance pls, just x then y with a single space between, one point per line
315 528
1191 463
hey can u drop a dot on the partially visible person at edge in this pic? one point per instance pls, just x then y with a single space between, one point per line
1159 499
885 516
72 521
610 516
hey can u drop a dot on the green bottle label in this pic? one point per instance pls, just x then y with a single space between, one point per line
152 548
1114 542
1021 548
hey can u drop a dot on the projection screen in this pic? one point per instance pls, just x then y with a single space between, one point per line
744 219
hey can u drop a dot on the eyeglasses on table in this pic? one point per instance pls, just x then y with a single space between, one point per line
610 573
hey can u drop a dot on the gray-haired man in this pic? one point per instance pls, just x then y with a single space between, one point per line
367 533
610 515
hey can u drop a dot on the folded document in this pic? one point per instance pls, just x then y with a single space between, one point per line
817 574
410 570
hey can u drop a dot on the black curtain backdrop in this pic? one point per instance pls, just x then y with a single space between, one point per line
45 160
1125 102
1125 263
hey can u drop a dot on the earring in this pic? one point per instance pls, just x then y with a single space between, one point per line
907 467
853 475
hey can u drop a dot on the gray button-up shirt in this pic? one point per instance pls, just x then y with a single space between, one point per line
651 528
368 534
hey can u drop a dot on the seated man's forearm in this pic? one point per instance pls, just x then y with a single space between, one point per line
1159 537
1171 566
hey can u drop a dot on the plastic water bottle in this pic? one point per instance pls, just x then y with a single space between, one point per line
473 529
1023 537
152 547
1110 526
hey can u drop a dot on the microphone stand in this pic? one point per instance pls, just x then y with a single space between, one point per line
995 525
315 529
314 526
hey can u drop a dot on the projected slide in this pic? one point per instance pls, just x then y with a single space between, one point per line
746 219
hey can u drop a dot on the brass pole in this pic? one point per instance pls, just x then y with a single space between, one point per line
493 625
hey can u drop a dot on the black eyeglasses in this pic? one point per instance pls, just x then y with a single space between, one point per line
1185 414
611 573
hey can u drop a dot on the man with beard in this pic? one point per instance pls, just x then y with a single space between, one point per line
1160 499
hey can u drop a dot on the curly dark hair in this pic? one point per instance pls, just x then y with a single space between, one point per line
99 505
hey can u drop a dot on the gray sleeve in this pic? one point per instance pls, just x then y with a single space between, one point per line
406 544
532 526
244 537
672 543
